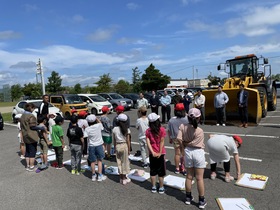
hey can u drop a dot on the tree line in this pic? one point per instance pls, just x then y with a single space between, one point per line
151 79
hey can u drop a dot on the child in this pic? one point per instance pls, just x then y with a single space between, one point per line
57 140
155 135
106 132
121 136
76 140
191 138
142 124
20 139
52 116
83 124
43 142
95 142
173 128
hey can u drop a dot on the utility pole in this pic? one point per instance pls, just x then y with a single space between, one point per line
193 75
40 71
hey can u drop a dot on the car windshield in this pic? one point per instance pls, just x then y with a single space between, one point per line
97 98
73 99
115 96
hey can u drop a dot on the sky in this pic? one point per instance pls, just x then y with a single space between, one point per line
83 40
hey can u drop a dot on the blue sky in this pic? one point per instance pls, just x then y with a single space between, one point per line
82 40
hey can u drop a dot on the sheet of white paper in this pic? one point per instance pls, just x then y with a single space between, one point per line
68 162
50 158
138 178
234 204
112 170
175 182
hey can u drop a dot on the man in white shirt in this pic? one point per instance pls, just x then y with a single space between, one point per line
199 102
142 101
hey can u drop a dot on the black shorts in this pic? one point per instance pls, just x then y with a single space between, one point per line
31 149
157 166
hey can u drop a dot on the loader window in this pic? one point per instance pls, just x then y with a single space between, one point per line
240 67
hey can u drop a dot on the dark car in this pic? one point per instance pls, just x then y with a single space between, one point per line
133 97
116 99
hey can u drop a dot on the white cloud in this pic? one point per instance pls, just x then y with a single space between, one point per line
83 80
78 19
102 34
132 6
9 35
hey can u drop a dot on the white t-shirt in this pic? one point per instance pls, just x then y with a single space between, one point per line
83 124
93 133
142 124
220 147
118 134
51 123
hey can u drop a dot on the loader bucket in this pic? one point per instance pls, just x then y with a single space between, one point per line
254 105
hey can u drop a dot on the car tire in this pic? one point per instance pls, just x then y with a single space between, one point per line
94 111
67 115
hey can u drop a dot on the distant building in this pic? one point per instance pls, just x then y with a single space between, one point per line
183 83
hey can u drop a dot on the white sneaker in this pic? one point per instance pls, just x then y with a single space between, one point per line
93 178
218 124
22 157
224 124
101 178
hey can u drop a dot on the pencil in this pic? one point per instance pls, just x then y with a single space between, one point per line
239 206
245 206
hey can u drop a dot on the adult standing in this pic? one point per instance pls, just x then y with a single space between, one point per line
187 100
199 102
242 100
177 99
220 101
28 125
165 101
141 101
220 147
43 109
154 101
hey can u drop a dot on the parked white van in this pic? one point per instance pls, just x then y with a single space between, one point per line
95 103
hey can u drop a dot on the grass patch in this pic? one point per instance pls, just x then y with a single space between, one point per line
5 104
7 117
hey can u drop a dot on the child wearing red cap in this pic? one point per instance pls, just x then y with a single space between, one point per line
106 132
220 148
173 128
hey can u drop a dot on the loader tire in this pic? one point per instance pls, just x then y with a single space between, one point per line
273 102
263 99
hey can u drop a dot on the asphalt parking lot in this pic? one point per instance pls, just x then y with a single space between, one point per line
58 189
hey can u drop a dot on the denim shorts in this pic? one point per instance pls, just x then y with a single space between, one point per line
95 153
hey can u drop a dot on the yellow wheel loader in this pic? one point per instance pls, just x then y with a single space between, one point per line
255 73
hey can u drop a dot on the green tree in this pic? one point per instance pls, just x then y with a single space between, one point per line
54 84
78 88
153 79
104 83
32 90
136 80
122 87
276 77
213 80
16 91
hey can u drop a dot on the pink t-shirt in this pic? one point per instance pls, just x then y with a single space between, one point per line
155 140
190 136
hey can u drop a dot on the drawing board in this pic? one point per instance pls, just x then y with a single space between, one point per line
246 181
234 204
143 178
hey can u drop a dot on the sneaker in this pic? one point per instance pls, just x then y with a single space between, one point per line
22 157
184 173
229 179
93 178
77 172
154 189
177 171
124 182
224 124
27 168
59 168
202 204
188 200
218 124
128 180
145 165
30 169
101 178
73 171
161 190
